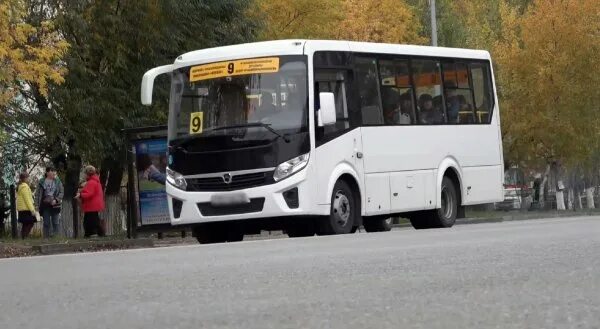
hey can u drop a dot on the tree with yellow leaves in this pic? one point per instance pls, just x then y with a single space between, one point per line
390 21
286 19
549 72
27 55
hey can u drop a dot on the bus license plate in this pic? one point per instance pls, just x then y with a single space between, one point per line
230 199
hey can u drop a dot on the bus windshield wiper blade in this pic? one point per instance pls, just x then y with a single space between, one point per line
184 140
255 124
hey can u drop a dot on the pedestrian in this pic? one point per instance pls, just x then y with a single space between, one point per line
26 210
92 202
49 197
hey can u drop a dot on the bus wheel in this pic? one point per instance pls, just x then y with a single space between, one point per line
343 211
420 220
445 216
378 224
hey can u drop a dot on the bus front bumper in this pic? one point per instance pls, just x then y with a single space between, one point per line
265 201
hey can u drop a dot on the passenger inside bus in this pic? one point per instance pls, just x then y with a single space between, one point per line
452 103
404 115
428 113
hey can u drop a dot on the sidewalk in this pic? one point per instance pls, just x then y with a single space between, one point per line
18 248
31 247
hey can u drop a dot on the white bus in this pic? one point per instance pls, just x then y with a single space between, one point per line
321 137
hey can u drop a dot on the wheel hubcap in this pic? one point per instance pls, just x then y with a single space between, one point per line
447 203
341 208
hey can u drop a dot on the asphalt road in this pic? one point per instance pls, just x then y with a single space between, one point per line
528 274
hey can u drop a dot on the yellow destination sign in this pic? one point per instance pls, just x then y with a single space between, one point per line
231 68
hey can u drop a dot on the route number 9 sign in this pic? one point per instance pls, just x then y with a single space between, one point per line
196 122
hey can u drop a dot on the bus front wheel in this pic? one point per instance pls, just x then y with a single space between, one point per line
445 216
343 211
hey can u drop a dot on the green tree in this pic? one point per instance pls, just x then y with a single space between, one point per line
113 44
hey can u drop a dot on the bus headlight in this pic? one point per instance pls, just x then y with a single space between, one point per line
290 167
176 179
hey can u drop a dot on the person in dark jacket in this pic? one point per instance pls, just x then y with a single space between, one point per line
92 202
49 196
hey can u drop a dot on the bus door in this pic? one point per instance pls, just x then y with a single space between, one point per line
340 143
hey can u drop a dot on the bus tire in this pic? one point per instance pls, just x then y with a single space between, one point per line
445 216
343 211
378 224
420 221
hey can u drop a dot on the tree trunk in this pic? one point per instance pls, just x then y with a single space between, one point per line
560 200
589 194
111 176
112 215
70 210
542 196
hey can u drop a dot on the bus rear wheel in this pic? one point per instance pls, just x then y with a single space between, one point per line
343 211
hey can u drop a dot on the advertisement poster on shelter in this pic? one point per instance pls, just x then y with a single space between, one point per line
151 164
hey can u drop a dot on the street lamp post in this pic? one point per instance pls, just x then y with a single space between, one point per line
433 23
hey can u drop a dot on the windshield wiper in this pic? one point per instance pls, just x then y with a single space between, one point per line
255 124
184 140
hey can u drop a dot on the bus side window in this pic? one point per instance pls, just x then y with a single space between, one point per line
428 87
396 92
366 78
458 94
482 90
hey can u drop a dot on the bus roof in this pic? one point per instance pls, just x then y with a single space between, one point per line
296 47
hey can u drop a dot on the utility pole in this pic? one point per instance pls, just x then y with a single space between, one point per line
433 23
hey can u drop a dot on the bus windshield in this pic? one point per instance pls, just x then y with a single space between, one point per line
264 97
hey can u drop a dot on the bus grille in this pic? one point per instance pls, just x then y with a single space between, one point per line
238 182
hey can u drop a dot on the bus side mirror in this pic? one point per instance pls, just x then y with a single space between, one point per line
148 82
327 114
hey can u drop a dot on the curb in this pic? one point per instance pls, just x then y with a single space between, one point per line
71 247
509 218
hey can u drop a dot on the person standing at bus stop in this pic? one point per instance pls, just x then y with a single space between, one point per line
25 208
49 196
92 202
